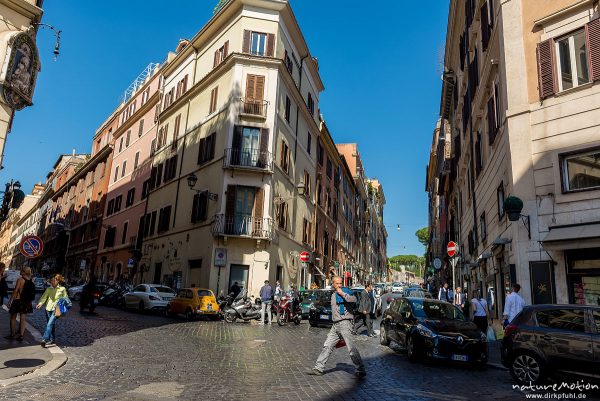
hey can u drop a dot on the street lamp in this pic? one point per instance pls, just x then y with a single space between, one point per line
193 180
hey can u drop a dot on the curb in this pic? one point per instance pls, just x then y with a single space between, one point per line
59 358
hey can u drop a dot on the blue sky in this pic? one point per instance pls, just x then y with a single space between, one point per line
380 63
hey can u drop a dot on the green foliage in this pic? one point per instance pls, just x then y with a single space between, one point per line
412 263
423 236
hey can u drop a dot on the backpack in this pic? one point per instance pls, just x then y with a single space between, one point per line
28 292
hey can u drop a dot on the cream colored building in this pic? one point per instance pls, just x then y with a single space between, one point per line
520 100
239 112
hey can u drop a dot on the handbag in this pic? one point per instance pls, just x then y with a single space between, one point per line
491 336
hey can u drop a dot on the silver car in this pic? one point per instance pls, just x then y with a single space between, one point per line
145 297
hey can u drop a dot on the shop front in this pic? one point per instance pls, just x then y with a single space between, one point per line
583 276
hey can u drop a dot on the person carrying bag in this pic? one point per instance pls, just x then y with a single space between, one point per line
56 302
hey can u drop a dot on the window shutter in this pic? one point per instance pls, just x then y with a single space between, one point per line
259 200
152 177
230 201
485 28
216 60
593 37
250 87
195 205
264 147
201 152
259 89
491 112
546 75
270 45
225 49
213 140
491 8
246 42
185 81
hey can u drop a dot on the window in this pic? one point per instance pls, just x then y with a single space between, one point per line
176 131
170 168
319 194
581 171
124 168
289 65
213 100
124 235
159 175
141 128
145 188
478 154
200 207
282 212
109 237
500 197
311 105
221 54
572 61
309 143
111 207
121 145
288 108
329 169
319 154
207 148
116 173
164 219
306 191
562 319
482 227
306 231
284 157
118 201
127 138
258 43
130 197
136 161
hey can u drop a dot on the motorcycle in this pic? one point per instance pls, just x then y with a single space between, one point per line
242 308
289 310
89 298
224 303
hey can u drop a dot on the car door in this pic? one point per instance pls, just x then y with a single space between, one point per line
403 326
176 302
132 299
389 320
565 340
596 338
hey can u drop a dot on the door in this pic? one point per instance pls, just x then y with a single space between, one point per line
244 204
157 273
250 148
542 283
562 336
239 274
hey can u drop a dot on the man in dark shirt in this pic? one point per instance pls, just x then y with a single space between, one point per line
235 289
266 298
365 311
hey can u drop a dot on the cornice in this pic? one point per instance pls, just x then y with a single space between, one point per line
24 8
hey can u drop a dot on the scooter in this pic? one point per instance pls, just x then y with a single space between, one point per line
243 309
289 310
224 303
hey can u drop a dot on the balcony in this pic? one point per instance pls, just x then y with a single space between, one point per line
242 225
248 159
254 108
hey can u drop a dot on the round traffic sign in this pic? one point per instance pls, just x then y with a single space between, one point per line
304 256
451 248
437 263
31 246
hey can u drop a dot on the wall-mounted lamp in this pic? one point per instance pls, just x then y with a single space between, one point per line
513 207
193 180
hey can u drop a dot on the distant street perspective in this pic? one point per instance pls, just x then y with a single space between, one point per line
188 213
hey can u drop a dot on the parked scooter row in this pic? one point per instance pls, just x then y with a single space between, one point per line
115 296
287 309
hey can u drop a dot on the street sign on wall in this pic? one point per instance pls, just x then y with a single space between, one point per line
451 249
437 263
31 246
220 257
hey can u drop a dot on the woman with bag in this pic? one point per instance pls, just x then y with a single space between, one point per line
480 312
20 304
50 298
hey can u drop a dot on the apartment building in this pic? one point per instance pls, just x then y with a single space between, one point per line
119 250
518 189
231 195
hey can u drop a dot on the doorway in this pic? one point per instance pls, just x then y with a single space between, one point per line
239 274
157 272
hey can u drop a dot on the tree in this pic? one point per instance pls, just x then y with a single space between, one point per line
412 263
423 236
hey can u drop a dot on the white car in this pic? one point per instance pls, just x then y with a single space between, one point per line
397 288
149 297
11 278
75 292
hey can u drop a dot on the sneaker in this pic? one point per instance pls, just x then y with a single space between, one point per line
359 374
315 372
43 344
10 337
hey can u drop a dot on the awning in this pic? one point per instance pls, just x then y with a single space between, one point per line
573 237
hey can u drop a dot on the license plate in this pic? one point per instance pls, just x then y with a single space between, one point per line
462 358
325 317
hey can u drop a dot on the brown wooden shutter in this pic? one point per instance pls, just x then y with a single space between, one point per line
250 86
185 81
195 204
546 74
230 200
246 42
485 27
593 37
213 141
263 158
259 89
216 60
177 125
491 120
201 151
270 45
259 200
225 50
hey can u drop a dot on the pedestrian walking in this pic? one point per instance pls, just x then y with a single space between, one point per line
266 297
459 299
3 285
340 330
480 312
20 304
443 294
513 306
50 299
366 311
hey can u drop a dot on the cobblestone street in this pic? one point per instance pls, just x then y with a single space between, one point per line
120 355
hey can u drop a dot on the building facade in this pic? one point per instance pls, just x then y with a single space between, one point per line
518 189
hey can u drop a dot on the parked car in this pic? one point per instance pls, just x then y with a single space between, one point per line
320 309
40 284
416 292
397 288
544 340
149 297
11 278
307 298
428 328
386 300
194 302
75 292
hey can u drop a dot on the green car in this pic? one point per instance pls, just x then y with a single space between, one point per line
307 298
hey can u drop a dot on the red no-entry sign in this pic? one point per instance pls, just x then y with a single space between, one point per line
304 257
451 249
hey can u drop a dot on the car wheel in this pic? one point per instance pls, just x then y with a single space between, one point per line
312 324
411 350
383 338
189 314
527 368
141 307
297 320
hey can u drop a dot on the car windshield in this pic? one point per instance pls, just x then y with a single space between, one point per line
323 298
161 289
415 293
204 293
436 310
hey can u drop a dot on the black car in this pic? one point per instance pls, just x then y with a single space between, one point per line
547 339
416 292
428 328
320 309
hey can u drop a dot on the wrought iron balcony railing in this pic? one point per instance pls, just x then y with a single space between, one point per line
242 225
255 108
248 159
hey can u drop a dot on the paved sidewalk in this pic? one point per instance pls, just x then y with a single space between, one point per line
23 360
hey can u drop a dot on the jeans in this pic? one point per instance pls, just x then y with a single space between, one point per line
49 333
265 305
364 320
340 330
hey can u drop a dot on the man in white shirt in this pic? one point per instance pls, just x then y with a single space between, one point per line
514 304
